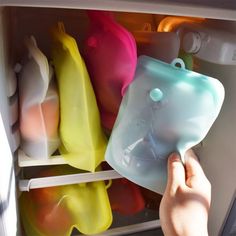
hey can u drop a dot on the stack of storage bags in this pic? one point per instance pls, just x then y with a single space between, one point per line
164 110
136 104
57 210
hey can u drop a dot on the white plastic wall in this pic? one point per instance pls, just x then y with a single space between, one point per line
218 156
8 214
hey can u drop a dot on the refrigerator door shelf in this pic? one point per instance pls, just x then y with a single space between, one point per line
26 185
26 161
209 9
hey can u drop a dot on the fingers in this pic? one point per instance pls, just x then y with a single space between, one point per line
176 173
192 175
195 176
192 165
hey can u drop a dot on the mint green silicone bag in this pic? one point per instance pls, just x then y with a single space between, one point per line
165 109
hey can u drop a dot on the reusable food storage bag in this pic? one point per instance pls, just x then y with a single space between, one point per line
125 196
166 109
160 45
57 210
83 143
110 55
39 104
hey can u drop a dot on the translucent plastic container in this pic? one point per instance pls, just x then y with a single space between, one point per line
204 43
166 109
162 46
39 104
170 23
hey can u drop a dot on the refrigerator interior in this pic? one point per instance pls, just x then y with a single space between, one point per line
217 152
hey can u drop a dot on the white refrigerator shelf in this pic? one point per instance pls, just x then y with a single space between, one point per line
220 9
26 161
27 184
129 229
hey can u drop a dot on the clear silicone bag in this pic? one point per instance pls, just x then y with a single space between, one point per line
57 210
83 142
166 109
39 104
110 55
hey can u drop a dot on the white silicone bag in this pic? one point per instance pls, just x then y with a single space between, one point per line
39 104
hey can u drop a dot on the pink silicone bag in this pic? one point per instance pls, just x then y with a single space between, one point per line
111 57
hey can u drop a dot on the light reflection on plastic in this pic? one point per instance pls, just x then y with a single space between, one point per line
185 86
169 23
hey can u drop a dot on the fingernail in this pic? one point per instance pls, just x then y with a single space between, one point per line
174 157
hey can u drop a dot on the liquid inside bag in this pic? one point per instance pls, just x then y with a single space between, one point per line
83 142
165 109
111 57
57 210
39 105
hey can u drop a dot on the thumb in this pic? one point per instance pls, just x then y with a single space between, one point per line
194 171
176 173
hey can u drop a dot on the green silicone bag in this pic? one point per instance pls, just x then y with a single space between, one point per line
165 109
83 142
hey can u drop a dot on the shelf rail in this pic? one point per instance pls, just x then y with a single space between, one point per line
129 229
26 161
26 185
224 9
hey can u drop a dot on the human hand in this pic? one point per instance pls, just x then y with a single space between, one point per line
186 201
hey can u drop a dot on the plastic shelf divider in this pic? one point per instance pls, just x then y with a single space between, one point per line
26 185
129 229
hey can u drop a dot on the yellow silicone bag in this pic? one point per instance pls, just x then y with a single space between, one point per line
55 211
83 141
